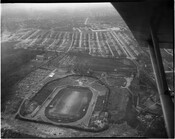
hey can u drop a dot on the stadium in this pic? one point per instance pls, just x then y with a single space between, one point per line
69 101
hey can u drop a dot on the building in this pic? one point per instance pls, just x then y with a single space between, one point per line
40 57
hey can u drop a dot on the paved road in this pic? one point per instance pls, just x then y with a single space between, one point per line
86 21
71 43
120 44
80 37
168 52
110 48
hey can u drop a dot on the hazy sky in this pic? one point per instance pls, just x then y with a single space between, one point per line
51 6
31 10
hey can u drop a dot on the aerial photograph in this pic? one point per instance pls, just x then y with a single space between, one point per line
77 70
